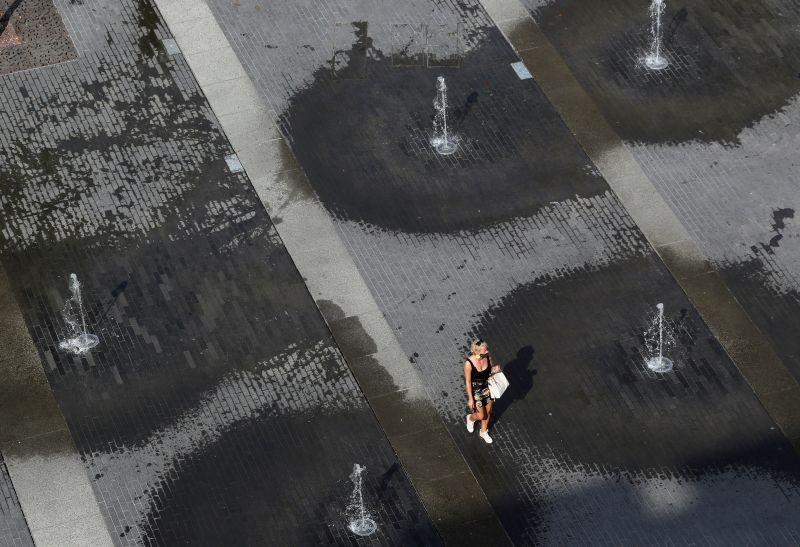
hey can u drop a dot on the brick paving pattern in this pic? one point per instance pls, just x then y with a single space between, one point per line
516 238
216 409
722 121
13 529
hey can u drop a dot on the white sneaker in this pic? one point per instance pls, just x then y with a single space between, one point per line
470 424
485 436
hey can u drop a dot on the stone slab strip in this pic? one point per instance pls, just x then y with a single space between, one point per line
747 346
45 468
448 490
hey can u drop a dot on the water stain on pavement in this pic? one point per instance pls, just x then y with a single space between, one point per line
731 64
596 430
374 169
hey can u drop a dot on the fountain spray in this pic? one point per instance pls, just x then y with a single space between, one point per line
80 340
654 59
442 142
360 522
657 338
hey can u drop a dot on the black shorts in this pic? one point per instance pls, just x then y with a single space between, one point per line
481 396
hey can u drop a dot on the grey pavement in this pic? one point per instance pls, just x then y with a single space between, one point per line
47 496
743 341
390 384
217 408
715 135
467 245
13 528
263 331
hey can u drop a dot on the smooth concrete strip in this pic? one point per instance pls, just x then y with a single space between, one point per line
746 345
217 64
386 377
49 478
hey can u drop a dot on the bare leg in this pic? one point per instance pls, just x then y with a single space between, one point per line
487 416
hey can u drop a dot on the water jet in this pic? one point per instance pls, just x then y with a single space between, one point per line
444 143
80 340
654 59
361 524
657 338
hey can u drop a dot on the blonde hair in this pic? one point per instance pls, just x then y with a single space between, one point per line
477 343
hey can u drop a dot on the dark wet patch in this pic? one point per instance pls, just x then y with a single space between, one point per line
66 178
208 336
171 323
351 61
590 357
262 499
582 404
775 310
778 225
365 143
732 64
149 23
164 297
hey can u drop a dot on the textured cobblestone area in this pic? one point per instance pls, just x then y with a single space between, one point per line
13 529
716 132
33 36
216 409
517 239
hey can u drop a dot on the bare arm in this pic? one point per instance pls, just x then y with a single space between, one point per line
495 366
468 381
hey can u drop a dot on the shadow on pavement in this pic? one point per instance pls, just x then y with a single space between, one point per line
520 378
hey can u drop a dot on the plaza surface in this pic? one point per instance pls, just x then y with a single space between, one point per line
263 330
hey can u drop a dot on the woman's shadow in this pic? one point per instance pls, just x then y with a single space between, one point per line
520 380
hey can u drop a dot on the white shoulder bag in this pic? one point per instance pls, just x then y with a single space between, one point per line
498 383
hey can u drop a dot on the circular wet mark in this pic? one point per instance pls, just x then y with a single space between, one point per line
730 64
365 144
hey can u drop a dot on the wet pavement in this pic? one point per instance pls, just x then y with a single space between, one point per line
218 409
13 529
518 239
721 121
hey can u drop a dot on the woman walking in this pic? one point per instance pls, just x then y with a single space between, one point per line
477 369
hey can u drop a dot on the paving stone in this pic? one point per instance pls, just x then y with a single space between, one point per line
521 33
402 414
214 66
727 171
351 337
518 239
217 408
427 456
503 11
216 379
476 532
684 259
785 407
13 529
448 488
